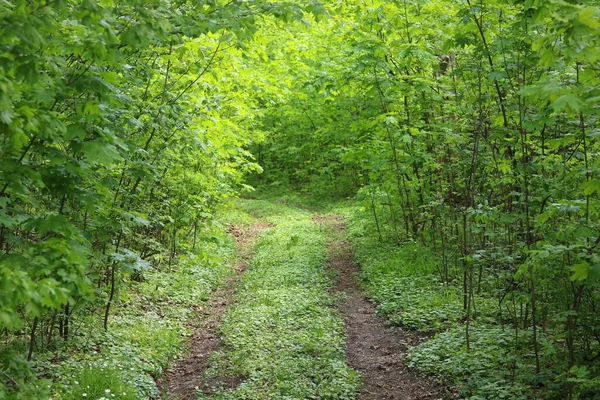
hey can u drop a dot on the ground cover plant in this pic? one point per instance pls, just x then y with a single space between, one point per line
282 338
407 283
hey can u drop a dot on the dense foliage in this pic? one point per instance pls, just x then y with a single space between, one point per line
123 125
467 131
148 329
470 127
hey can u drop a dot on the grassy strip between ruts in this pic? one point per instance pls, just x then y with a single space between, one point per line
283 338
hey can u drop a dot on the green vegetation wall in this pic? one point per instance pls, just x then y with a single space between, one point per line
122 125
471 127
468 126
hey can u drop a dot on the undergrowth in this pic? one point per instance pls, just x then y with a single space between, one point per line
403 279
282 337
146 332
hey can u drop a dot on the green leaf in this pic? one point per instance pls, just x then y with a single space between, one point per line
75 131
91 110
100 152
390 120
580 271
589 17
6 116
590 187
567 102
584 232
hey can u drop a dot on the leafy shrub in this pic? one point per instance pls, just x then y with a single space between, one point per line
489 370
146 332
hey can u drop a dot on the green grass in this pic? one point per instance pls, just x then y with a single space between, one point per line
282 337
100 382
293 198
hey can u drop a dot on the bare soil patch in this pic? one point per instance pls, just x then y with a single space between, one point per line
375 349
185 377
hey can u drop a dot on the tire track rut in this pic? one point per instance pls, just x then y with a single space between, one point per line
182 380
375 349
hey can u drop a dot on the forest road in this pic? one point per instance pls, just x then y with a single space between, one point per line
374 349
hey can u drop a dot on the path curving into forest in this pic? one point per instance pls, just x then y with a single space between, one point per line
374 349
184 378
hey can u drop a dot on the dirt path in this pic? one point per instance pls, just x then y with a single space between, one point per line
376 350
182 380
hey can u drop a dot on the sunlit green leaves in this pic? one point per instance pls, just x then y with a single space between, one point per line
567 102
471 127
124 125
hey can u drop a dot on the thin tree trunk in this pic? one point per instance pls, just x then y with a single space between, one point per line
32 338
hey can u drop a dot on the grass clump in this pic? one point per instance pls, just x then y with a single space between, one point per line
99 382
